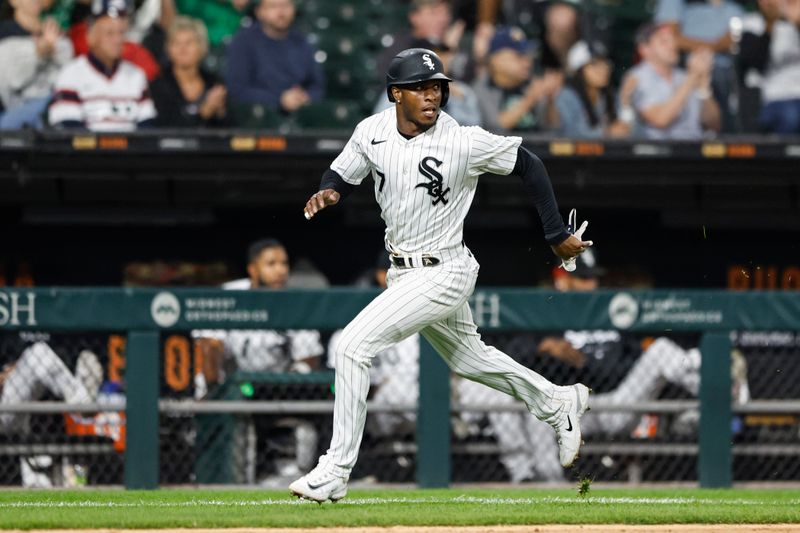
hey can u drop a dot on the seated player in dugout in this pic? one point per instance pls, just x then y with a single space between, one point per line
267 351
39 374
620 374
260 350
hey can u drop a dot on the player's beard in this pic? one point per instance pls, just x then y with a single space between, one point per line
424 126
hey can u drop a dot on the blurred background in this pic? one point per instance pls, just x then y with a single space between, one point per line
173 143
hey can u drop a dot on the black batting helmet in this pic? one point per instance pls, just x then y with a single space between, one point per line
414 66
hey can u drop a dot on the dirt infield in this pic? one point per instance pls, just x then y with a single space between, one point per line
605 528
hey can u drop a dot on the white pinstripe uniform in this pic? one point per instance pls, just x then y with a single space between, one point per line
424 186
396 376
38 371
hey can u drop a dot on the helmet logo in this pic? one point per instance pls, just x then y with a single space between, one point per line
428 62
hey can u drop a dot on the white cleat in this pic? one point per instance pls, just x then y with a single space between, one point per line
320 485
567 421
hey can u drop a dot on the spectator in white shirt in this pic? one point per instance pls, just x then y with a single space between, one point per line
101 91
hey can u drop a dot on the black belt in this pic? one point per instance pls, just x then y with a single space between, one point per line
408 262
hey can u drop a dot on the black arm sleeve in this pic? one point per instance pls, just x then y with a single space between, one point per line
332 180
534 176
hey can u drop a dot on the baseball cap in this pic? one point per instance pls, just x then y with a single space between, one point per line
510 37
582 53
109 8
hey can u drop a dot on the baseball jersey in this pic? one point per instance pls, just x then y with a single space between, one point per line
271 350
424 185
609 356
264 350
102 101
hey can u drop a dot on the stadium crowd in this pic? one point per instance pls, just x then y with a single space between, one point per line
692 69
685 70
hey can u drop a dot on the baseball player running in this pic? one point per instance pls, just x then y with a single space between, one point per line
426 168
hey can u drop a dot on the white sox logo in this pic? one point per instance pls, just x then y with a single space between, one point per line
428 62
434 186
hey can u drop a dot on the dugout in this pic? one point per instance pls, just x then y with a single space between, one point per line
715 313
708 214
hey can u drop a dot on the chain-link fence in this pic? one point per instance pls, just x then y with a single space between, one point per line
624 442
251 442
644 422
43 446
767 444
253 407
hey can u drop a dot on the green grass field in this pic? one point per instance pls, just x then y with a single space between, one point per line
249 508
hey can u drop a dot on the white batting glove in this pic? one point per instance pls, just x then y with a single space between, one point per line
570 264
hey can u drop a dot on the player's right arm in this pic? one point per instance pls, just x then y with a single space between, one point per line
345 173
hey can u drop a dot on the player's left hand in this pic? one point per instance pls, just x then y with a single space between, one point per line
319 201
569 249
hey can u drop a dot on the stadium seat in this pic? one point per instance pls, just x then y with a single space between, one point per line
335 44
340 45
331 114
617 23
395 13
349 65
352 80
368 18
324 15
215 60
255 116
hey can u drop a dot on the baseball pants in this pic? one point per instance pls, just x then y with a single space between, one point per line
432 301
514 435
